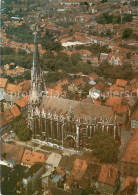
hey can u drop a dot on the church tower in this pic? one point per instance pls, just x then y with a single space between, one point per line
38 87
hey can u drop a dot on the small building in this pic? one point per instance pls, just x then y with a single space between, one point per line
31 178
66 163
53 160
29 158
129 162
109 180
134 120
22 104
94 93
3 84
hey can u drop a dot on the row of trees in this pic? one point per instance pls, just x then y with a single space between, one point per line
107 18
115 72
21 34
21 58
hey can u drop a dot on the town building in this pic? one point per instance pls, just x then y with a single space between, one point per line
129 162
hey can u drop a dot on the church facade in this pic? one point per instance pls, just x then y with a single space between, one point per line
63 122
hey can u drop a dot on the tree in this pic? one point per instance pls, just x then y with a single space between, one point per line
27 75
105 147
127 18
75 58
127 33
20 127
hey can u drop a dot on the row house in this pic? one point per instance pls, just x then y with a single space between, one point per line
115 60
129 162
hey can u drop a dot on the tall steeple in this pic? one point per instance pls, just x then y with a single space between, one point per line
38 86
36 59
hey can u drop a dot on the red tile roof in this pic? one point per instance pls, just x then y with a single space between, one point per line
78 171
3 82
22 102
15 111
108 175
31 158
135 115
116 103
121 83
128 182
131 153
11 88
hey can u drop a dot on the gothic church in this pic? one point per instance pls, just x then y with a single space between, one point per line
62 122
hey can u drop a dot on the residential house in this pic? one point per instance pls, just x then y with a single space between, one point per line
121 83
11 152
46 177
94 93
120 108
76 174
115 60
129 186
109 180
7 117
134 120
15 72
22 104
31 178
85 54
103 56
66 163
29 158
93 76
129 162
13 89
3 84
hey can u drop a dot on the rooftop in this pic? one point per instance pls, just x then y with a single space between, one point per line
131 153
108 175
3 82
30 157
80 109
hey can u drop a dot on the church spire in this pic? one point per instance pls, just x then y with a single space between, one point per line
36 60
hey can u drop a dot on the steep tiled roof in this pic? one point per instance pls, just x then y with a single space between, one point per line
3 82
116 103
78 171
11 88
80 109
128 182
135 115
22 102
121 83
131 153
15 111
108 175
10 114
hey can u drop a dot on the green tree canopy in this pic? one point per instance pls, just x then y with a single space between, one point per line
20 127
105 147
127 33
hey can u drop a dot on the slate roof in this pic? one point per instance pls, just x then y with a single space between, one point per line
80 109
66 162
